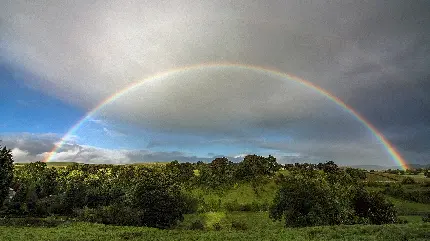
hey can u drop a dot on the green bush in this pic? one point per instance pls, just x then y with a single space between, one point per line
238 225
217 226
373 208
426 219
191 204
197 225
211 205
408 180
255 206
160 198
313 198
114 214
309 199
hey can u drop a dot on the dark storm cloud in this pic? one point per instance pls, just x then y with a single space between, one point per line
374 55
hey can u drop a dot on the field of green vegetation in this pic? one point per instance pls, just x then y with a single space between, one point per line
260 227
256 199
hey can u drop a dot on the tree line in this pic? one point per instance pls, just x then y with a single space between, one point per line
158 195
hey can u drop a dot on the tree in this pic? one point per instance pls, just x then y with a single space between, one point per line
253 167
160 199
373 208
356 173
222 171
309 199
328 167
182 172
6 173
219 166
313 198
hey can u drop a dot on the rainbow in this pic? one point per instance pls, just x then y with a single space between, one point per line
395 155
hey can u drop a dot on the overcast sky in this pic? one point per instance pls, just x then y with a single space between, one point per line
59 59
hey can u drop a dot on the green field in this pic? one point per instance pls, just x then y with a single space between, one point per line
218 225
405 207
383 177
234 212
259 227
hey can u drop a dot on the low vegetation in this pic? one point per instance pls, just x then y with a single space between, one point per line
253 199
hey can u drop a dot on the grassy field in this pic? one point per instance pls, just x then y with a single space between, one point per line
215 221
419 178
258 227
405 207
382 177
242 194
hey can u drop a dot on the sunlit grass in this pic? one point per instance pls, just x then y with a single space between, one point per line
262 231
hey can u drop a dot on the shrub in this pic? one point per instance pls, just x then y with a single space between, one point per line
191 204
254 206
426 219
217 226
211 205
308 199
356 173
232 206
197 225
160 199
114 214
238 225
395 190
408 180
312 198
373 208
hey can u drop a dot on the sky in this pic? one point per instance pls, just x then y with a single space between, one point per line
61 59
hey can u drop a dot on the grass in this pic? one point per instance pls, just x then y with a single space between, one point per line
219 224
88 231
404 207
412 218
419 178
242 195
382 177
252 220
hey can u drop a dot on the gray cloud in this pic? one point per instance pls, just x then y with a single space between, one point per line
24 149
33 144
286 151
373 55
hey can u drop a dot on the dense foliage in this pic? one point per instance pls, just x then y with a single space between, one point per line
328 196
123 195
159 195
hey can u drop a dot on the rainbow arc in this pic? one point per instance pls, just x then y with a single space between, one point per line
392 151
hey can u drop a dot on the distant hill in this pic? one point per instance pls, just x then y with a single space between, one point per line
375 167
366 167
52 164
378 167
